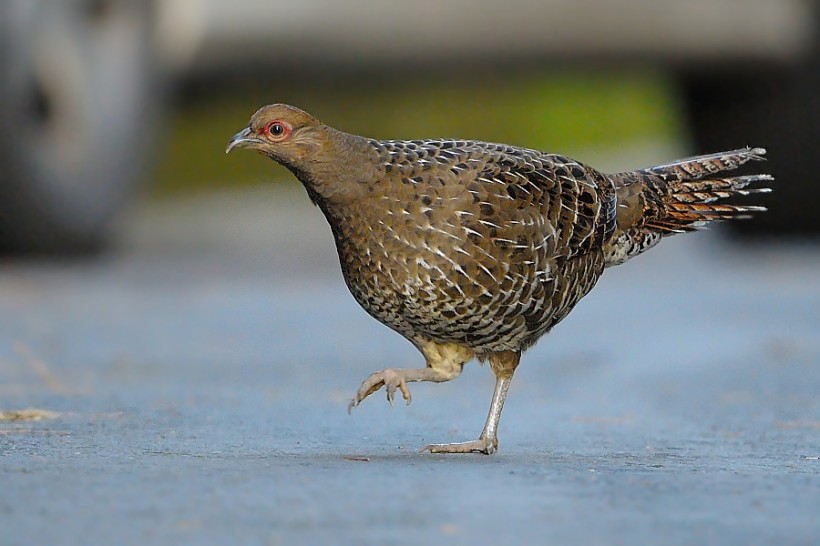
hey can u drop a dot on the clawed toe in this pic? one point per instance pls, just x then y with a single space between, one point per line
390 379
401 385
483 445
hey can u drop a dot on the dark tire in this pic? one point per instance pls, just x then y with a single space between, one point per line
79 102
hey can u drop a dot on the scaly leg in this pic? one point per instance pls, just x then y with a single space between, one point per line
503 366
444 362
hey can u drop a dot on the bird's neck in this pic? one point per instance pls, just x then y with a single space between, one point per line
340 173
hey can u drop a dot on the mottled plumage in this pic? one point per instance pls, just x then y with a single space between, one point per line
475 243
470 248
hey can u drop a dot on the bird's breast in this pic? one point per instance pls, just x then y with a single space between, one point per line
433 262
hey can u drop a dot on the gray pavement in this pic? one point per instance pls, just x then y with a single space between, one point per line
200 378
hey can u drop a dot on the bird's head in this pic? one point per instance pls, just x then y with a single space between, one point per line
284 133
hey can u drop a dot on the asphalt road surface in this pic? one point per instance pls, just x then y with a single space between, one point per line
192 389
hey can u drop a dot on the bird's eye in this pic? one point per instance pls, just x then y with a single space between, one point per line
277 129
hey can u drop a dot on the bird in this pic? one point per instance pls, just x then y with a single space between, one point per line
472 249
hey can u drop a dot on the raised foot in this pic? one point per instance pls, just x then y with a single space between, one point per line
482 445
391 379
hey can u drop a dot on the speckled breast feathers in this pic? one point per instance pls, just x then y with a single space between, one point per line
469 242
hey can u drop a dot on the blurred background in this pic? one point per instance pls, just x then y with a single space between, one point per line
108 103
177 346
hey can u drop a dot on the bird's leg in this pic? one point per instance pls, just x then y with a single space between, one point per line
503 365
444 362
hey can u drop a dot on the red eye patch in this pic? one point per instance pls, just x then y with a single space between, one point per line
277 130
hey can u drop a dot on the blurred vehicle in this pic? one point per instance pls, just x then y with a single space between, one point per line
79 100
83 80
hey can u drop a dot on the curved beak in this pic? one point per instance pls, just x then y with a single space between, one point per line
242 138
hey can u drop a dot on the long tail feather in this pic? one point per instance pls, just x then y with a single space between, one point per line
688 191
695 168
681 196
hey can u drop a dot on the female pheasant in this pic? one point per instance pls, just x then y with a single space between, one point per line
473 249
